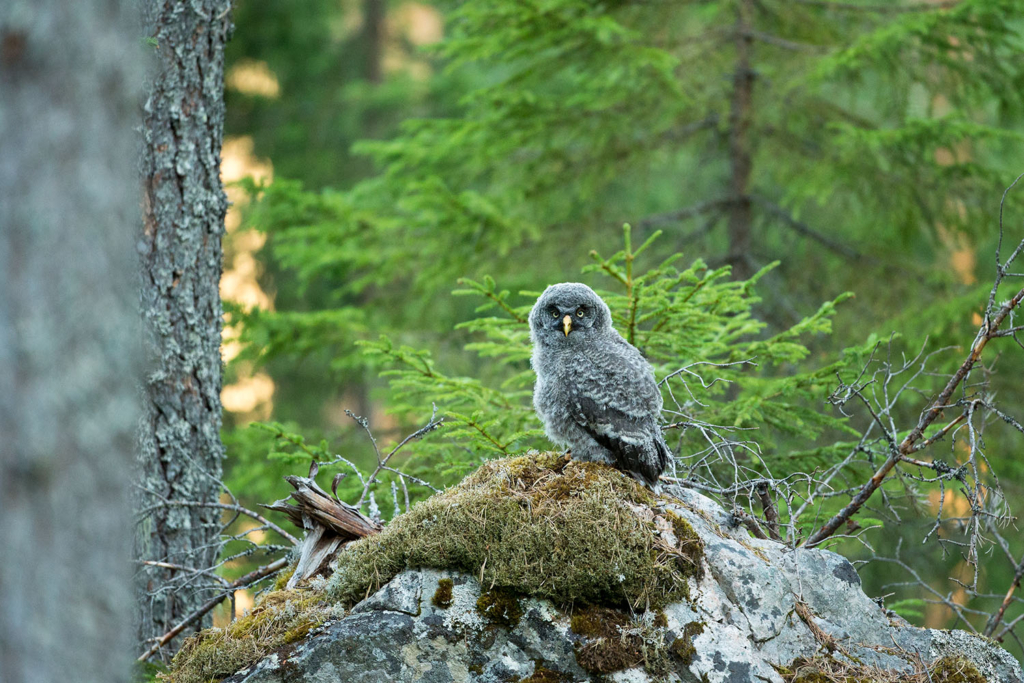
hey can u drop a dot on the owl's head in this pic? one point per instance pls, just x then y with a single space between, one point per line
569 313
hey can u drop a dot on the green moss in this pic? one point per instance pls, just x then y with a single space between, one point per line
283 577
682 647
281 617
443 595
542 674
690 546
538 525
598 622
500 607
955 670
613 640
606 655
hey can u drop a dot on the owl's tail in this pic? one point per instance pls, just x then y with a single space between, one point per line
652 463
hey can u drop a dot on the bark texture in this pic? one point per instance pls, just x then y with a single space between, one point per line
70 361
180 247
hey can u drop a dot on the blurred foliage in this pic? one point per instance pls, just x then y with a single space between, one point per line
881 136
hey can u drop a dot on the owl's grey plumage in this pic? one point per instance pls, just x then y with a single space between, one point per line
595 393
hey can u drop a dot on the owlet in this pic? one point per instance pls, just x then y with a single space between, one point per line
595 393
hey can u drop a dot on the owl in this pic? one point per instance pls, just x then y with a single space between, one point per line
595 393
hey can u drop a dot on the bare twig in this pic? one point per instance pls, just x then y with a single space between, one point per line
244 582
906 446
682 214
222 506
993 622
382 462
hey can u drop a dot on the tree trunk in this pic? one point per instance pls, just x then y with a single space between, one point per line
740 214
180 244
70 361
374 15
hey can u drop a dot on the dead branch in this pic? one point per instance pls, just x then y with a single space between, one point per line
771 514
682 214
750 523
222 506
941 403
993 622
893 8
328 521
807 231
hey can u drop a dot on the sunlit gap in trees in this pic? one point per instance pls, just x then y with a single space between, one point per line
251 395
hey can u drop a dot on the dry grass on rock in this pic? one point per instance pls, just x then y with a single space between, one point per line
830 670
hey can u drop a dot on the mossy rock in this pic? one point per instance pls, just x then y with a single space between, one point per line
682 647
281 617
537 525
826 669
955 670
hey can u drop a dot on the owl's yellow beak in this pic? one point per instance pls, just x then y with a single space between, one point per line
567 324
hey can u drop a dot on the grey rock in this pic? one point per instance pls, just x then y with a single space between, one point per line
760 591
746 602
401 594
726 654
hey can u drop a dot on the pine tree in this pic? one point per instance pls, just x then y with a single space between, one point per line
770 120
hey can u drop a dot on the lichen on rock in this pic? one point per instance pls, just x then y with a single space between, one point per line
538 525
500 607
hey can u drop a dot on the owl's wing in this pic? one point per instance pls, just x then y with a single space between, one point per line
617 402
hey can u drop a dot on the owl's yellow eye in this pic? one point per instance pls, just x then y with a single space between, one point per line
554 314
580 312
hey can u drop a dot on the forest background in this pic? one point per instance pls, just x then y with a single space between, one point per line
383 154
